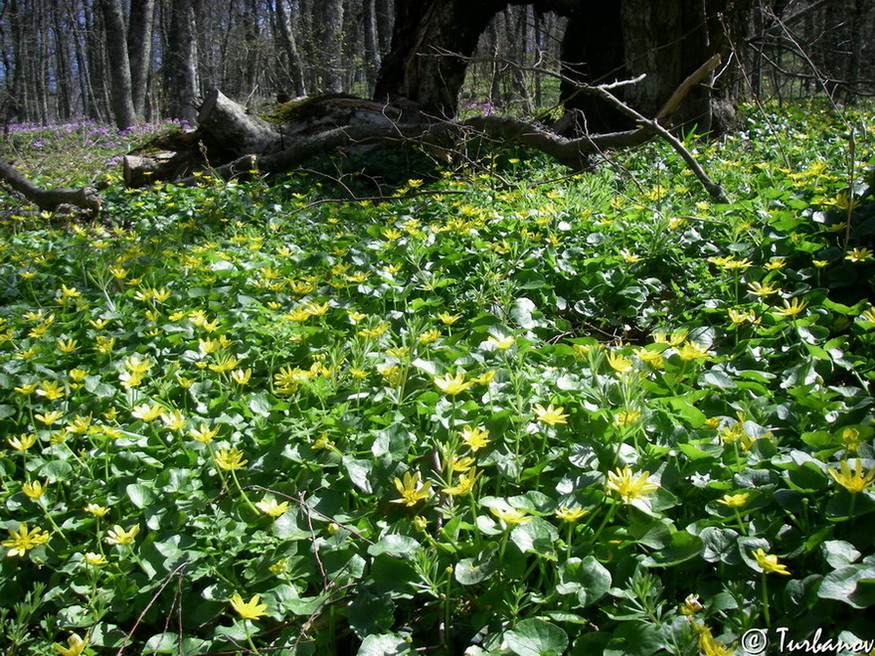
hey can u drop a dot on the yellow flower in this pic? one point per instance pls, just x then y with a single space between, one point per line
23 540
248 610
77 375
868 315
240 376
484 379
618 362
174 420
75 646
511 516
269 506
33 490
67 347
791 309
738 317
769 563
203 434
776 263
570 515
734 500
429 336
628 486
629 256
373 333
50 389
230 459
449 319
475 438
452 385
762 290
502 343
859 254
854 482
23 442
146 412
225 363
461 464
464 485
411 489
70 292
550 415
626 417
118 535
692 351
850 438
96 509
95 559
26 389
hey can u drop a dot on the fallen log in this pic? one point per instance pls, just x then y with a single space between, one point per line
50 199
234 142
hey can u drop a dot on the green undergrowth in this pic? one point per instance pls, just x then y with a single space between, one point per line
500 411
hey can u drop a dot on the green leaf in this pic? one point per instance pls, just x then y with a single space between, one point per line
537 536
684 546
359 473
587 578
369 614
634 639
839 553
260 405
470 571
388 644
853 585
535 637
140 495
522 313
400 546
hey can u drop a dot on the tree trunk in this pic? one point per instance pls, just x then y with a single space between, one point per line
181 61
371 45
593 53
384 18
331 41
290 45
120 71
430 42
140 51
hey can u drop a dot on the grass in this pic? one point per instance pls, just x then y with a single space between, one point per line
521 413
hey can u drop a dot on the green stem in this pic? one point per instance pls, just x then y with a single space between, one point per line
765 592
243 493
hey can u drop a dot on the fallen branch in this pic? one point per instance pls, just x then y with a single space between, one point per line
49 199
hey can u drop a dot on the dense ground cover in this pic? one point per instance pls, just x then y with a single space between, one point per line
506 411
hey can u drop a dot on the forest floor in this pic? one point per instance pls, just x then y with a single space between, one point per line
498 409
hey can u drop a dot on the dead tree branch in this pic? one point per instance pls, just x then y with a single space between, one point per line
49 199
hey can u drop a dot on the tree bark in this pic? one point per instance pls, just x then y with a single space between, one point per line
120 71
49 199
181 61
290 46
140 51
331 33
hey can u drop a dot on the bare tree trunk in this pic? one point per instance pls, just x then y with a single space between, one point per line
181 61
290 45
140 51
96 54
371 44
331 23
64 82
120 71
384 17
